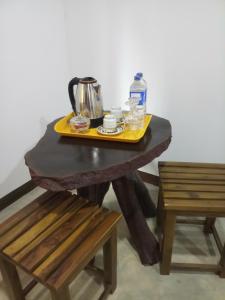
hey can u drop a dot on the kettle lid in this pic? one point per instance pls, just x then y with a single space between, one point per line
87 80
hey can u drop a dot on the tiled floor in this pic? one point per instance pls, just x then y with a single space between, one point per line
136 281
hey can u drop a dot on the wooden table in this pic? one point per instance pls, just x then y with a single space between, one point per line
64 163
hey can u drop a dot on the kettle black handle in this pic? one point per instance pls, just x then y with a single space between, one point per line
73 82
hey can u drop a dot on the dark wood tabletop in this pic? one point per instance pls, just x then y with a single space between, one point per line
63 163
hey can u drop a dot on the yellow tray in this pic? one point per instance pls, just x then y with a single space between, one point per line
62 127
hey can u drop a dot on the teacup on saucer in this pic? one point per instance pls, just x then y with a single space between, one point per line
110 123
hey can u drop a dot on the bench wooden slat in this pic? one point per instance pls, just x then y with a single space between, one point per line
68 214
193 181
27 210
30 220
194 205
192 176
193 187
50 244
191 165
193 194
44 270
196 170
196 267
39 227
76 261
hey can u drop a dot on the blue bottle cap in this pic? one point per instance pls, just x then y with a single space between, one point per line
140 74
136 77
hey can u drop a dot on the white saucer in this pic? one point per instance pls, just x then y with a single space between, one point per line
104 131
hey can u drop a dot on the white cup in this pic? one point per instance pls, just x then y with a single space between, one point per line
117 112
109 122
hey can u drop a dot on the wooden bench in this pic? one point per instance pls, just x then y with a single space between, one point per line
53 239
190 189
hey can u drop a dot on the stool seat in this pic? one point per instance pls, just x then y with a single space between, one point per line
54 237
193 187
190 189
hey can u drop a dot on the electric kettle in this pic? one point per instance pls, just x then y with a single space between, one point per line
87 100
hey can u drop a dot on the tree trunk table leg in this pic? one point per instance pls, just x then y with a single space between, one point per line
146 203
149 178
11 280
145 242
95 192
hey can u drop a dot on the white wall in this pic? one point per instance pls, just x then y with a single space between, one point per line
179 45
33 78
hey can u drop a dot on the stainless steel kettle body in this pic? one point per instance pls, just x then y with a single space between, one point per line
87 101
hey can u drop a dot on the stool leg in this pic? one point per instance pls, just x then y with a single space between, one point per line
159 216
11 280
209 222
167 243
159 209
62 294
222 263
92 262
110 262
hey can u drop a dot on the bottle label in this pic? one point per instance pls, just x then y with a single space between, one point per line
140 95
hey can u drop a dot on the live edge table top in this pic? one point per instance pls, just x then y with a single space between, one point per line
63 163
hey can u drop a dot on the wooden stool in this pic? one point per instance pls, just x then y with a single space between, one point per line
190 189
53 239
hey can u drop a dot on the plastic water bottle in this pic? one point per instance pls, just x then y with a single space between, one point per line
145 83
138 90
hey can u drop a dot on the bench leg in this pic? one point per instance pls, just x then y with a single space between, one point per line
222 263
62 294
159 210
110 262
11 280
159 217
209 222
167 243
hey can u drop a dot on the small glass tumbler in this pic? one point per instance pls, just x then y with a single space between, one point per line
79 124
140 114
132 122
